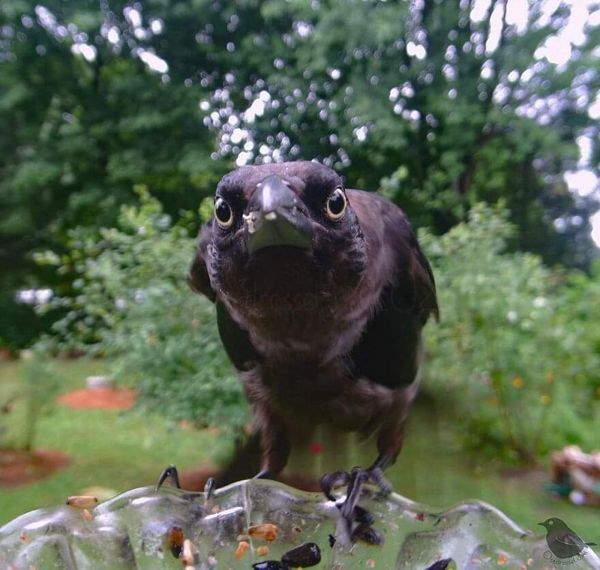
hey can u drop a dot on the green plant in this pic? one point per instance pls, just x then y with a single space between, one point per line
578 320
133 304
22 404
510 351
41 385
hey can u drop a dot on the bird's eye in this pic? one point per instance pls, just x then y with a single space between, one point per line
336 205
223 213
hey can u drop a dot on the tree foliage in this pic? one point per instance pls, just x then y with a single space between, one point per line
440 107
441 104
78 135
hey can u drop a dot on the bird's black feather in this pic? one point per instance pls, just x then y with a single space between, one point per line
326 332
236 341
198 278
389 348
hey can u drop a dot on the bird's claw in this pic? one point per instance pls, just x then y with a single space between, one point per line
357 476
358 520
170 474
331 480
377 477
209 488
366 533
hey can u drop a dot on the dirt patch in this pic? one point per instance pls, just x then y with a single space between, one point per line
6 354
99 398
19 467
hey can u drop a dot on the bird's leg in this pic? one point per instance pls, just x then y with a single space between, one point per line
170 473
382 462
275 444
264 474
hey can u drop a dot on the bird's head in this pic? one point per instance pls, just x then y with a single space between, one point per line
550 523
284 229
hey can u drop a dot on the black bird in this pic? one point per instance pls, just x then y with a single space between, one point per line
562 541
321 294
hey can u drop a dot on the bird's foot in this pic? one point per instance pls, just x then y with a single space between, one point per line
209 488
171 475
357 520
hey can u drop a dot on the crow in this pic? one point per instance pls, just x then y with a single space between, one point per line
321 295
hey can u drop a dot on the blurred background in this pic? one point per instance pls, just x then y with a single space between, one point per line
478 117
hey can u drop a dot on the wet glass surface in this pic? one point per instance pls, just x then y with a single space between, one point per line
256 521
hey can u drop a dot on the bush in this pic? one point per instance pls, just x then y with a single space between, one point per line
134 306
511 351
578 323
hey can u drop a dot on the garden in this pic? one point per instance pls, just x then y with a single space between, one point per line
123 117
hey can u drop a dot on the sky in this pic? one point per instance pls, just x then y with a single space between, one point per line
558 50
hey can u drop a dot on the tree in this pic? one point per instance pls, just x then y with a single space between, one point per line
439 104
83 122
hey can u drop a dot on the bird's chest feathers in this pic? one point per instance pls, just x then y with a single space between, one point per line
312 327
314 394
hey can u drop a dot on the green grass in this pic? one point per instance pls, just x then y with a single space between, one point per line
122 450
435 470
114 450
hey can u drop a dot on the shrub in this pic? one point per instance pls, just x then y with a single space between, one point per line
510 351
133 305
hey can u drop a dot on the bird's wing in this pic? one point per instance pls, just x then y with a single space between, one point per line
569 539
388 350
198 278
235 339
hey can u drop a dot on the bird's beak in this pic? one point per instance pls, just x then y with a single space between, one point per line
274 218
542 524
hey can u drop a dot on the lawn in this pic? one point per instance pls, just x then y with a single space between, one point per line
122 450
113 450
